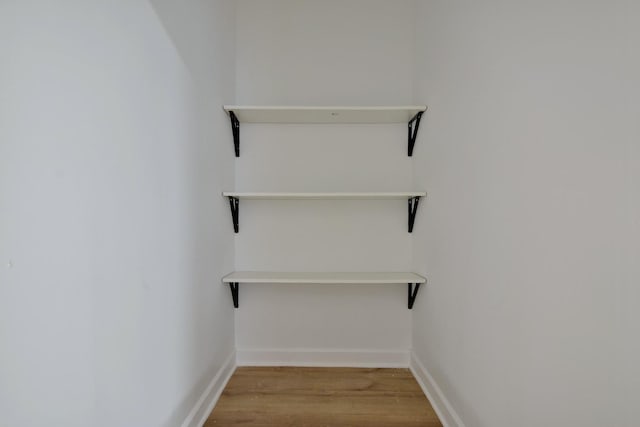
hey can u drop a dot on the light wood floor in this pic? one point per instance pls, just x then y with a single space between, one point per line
313 397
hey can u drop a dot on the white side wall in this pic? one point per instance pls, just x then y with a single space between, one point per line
113 237
327 53
530 235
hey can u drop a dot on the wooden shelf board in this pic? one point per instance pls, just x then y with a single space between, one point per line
324 114
329 196
323 278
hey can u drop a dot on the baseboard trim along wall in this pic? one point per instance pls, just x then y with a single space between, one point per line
323 358
209 398
439 402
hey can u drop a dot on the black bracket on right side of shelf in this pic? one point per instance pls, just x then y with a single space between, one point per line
412 294
235 287
235 128
413 125
412 208
234 203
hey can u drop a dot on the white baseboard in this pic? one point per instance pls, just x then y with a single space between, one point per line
323 358
439 402
203 407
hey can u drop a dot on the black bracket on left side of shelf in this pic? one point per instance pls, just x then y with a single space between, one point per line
235 128
234 203
235 287
412 294
413 125
413 208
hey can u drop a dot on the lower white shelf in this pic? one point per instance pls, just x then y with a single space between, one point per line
412 280
327 196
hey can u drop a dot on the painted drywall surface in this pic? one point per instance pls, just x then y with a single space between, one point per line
111 311
306 53
529 236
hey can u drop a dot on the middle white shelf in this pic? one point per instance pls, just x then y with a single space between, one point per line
413 198
320 278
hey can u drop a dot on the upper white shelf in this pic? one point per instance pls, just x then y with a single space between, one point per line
324 114
323 278
326 196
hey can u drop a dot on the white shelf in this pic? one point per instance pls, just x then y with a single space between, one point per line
323 278
412 280
324 114
326 196
410 115
412 197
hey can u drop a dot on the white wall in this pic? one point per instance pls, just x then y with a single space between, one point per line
530 235
332 52
113 150
327 53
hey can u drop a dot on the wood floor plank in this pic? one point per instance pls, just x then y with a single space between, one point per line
314 397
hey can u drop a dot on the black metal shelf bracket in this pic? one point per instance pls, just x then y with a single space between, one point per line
414 124
235 128
234 203
412 293
234 286
413 208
